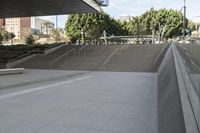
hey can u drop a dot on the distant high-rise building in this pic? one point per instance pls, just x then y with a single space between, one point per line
2 22
124 18
41 25
18 25
26 25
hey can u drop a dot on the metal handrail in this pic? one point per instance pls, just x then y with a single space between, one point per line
109 58
61 57
24 55
124 47
81 49
161 52
55 45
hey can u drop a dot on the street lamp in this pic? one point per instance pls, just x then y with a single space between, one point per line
56 28
184 19
82 36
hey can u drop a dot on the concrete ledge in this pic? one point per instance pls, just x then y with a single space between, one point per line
19 61
187 103
11 71
14 63
170 113
48 51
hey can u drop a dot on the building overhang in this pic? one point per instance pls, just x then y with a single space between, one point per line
25 8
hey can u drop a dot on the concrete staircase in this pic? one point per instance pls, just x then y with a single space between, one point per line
120 58
43 61
133 58
91 60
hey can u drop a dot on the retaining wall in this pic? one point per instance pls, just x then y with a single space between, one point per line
170 114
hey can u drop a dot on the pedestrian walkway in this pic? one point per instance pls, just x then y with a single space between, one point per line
87 102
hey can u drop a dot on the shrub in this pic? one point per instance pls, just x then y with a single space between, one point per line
30 40
1 38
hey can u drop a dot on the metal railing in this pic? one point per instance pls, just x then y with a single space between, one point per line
108 60
59 59
24 55
83 49
123 48
116 51
161 53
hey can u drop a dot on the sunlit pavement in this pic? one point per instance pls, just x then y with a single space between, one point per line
78 102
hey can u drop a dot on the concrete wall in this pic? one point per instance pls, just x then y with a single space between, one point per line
170 115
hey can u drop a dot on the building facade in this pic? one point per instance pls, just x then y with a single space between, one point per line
124 18
2 22
18 26
42 26
26 25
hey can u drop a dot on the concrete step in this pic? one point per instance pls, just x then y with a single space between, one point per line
133 58
43 61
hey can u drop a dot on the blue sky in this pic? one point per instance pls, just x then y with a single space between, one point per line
137 7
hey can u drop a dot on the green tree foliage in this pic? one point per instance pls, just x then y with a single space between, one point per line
8 36
136 26
92 25
1 38
5 35
163 20
192 25
168 23
30 40
55 34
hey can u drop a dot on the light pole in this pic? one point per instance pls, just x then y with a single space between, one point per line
56 21
56 28
184 19
82 36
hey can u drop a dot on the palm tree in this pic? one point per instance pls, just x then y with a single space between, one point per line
47 26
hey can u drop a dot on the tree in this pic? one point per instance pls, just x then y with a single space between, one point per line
30 40
170 22
55 34
1 38
6 35
47 26
92 25
136 26
192 25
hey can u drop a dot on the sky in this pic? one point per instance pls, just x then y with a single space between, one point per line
119 8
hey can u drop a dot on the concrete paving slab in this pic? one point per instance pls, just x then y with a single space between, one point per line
31 76
108 102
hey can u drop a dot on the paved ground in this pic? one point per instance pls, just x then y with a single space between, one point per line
35 76
87 102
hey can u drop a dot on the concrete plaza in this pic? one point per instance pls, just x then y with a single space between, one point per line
43 101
